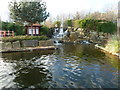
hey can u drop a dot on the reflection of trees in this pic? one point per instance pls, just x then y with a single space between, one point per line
87 61
27 71
25 55
83 51
74 50
90 54
113 60
32 77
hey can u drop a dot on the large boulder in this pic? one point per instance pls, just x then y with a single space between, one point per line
16 45
65 39
46 43
73 36
5 46
29 43
1 45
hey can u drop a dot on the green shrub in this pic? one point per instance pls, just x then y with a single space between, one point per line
106 27
57 24
77 23
20 38
17 28
68 23
96 25
44 30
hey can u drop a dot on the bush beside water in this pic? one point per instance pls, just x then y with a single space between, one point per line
44 30
113 45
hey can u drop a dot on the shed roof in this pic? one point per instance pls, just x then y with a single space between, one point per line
36 25
33 25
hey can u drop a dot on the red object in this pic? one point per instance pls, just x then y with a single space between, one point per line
6 33
12 33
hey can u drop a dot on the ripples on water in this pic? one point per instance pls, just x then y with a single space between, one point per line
71 66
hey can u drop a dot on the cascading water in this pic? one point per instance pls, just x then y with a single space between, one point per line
58 35
61 33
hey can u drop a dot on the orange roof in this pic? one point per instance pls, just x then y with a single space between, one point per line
36 24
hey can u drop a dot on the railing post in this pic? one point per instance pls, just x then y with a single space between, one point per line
4 33
0 34
12 33
8 33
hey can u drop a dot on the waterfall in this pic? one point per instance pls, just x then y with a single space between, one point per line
61 31
58 35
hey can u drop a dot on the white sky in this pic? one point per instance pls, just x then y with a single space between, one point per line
59 7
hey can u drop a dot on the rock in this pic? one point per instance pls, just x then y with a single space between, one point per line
29 43
49 43
79 29
42 43
46 43
94 33
70 29
2 46
94 38
73 36
65 39
6 46
16 45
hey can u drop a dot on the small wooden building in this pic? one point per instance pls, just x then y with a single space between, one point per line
33 30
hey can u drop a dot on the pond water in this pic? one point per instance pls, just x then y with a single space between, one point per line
70 66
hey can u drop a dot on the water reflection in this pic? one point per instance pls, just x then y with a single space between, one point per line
71 66
27 71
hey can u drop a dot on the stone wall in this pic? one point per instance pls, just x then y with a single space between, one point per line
46 43
17 45
29 43
6 46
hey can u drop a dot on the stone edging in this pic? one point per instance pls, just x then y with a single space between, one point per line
30 49
102 48
26 45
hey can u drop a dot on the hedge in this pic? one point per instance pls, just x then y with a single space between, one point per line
96 25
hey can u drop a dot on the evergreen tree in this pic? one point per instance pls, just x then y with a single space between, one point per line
30 12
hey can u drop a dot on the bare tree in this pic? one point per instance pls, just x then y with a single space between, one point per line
79 15
49 23
110 12
95 15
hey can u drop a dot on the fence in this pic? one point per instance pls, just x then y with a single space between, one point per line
6 33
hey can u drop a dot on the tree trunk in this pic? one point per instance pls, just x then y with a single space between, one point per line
118 21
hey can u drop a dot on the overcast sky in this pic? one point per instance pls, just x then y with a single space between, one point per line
58 7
